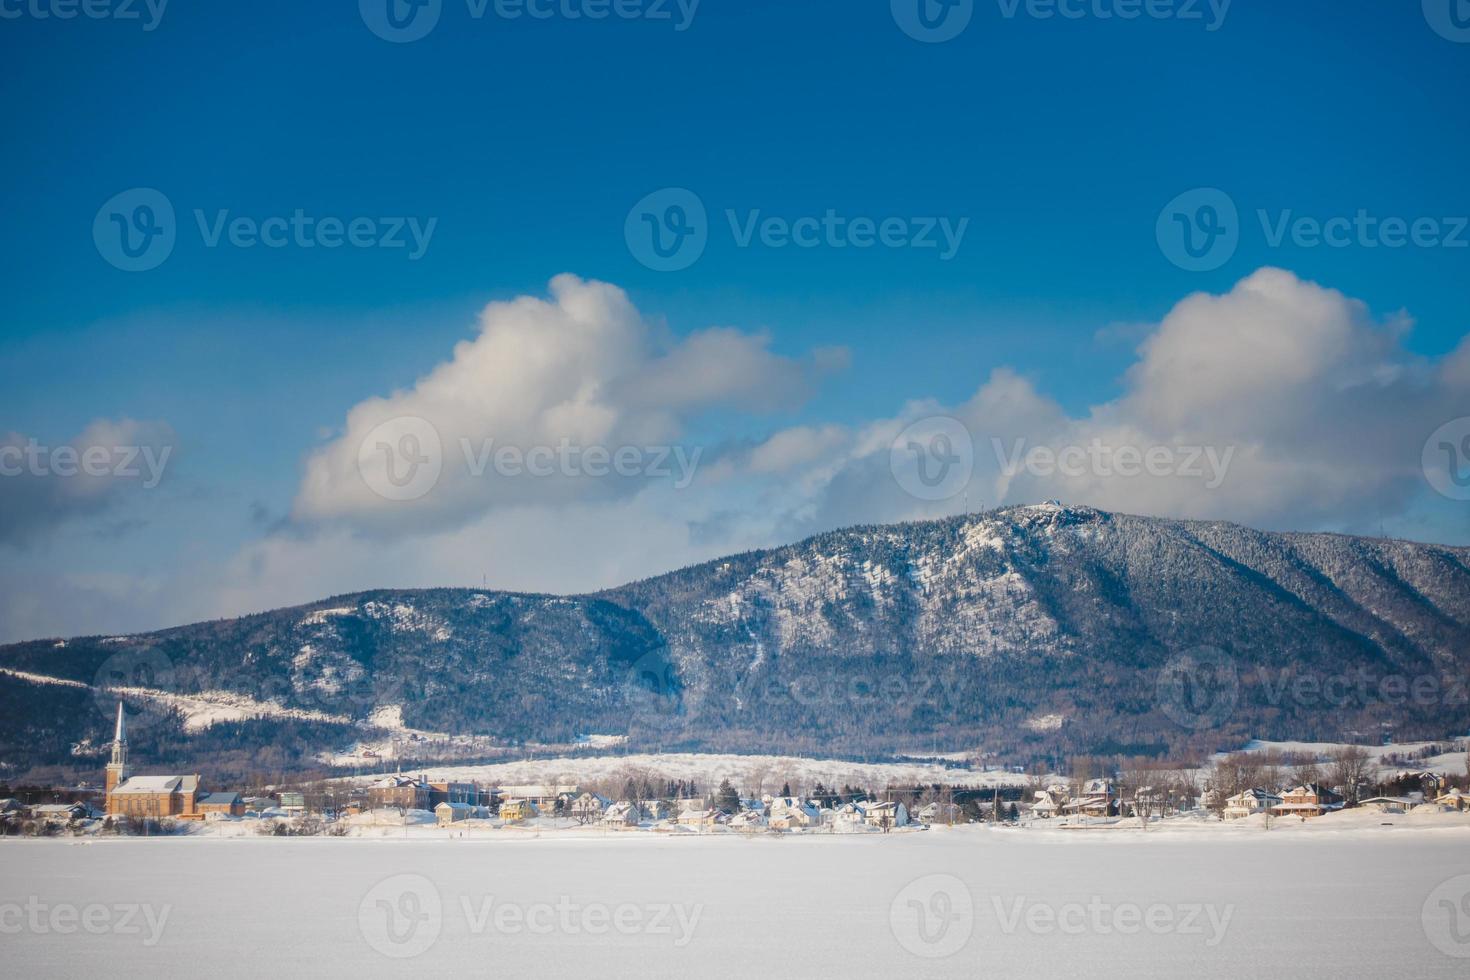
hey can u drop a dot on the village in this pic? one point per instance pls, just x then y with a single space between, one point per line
1240 788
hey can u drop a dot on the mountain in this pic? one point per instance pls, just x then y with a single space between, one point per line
1027 632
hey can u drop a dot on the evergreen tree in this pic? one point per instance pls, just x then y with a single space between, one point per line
785 789
726 798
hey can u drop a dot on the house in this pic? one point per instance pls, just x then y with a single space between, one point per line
514 810
623 814
1044 806
217 805
790 813
398 792
1454 800
885 816
655 809
748 820
1310 800
543 797
447 791
1251 801
936 812
589 807
448 813
703 819
1388 804
10 805
59 812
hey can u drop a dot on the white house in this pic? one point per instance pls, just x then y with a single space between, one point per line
748 820
885 815
1249 802
790 813
623 814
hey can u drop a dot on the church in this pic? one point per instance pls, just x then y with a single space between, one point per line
147 796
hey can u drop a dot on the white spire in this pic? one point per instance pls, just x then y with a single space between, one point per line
120 737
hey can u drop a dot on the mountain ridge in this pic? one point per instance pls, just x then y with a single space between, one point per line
1025 630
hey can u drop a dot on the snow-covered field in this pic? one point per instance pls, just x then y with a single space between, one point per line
1367 901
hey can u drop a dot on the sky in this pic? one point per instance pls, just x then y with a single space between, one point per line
549 295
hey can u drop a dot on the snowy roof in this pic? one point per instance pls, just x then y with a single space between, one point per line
220 799
455 807
151 784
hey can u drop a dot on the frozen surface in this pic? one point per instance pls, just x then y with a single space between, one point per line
1304 905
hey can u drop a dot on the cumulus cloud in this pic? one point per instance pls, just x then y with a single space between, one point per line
43 486
549 390
1280 403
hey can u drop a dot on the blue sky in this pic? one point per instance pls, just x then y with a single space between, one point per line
527 141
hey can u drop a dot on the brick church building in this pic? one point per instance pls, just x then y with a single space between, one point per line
147 796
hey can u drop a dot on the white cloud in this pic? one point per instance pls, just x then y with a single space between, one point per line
583 369
1317 411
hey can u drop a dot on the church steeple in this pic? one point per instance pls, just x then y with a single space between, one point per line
117 769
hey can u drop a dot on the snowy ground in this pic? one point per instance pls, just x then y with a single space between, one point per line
1365 901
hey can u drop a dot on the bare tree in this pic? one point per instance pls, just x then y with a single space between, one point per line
1349 771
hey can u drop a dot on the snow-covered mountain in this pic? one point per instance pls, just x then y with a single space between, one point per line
1024 631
